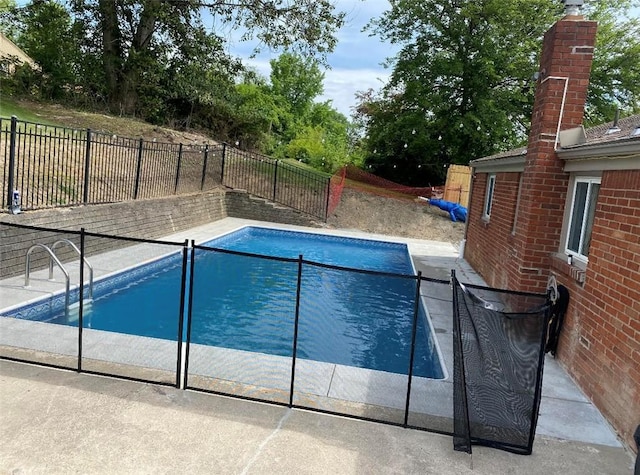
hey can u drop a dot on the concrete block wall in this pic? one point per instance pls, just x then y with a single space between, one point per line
240 204
144 219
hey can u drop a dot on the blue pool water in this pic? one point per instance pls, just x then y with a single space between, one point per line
247 302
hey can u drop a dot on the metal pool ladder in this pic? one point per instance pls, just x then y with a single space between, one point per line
75 248
53 259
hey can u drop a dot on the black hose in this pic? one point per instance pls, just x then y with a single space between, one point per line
636 437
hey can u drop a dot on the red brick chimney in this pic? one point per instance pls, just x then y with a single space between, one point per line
565 66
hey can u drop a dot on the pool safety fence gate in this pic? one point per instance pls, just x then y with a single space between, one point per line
304 357
499 340
43 166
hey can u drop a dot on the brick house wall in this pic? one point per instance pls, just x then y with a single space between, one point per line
489 258
600 342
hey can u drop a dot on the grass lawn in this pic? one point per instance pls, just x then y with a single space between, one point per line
9 107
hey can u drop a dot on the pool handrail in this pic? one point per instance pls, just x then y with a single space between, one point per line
75 248
53 257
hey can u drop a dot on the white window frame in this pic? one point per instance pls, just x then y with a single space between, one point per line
580 253
488 196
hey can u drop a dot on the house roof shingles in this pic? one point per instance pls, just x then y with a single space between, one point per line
594 136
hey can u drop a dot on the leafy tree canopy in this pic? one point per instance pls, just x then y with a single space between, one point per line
615 75
297 80
128 37
461 86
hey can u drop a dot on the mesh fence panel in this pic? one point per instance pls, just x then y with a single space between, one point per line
431 401
354 342
242 324
357 331
33 323
132 318
499 338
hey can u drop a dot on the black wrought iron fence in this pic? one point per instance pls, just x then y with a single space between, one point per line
48 166
278 181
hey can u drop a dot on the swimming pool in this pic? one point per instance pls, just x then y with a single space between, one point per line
352 315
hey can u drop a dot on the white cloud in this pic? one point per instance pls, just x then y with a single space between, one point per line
356 63
341 85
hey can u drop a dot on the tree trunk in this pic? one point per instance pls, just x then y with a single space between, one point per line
111 47
122 72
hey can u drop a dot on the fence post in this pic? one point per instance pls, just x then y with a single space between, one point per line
87 167
12 159
204 166
296 322
192 261
183 289
138 168
175 188
275 181
224 156
326 208
81 298
414 330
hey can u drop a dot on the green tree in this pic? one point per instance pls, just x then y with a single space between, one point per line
323 140
461 83
256 114
297 80
47 36
615 75
7 12
127 38
307 131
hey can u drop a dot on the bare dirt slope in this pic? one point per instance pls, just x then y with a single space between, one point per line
124 126
371 213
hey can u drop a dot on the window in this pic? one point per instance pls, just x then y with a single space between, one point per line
583 210
488 197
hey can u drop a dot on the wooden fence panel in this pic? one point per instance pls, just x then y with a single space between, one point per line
458 185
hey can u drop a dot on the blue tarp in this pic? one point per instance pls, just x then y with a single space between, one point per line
455 210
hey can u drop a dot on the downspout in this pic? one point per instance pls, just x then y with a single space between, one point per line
564 98
463 244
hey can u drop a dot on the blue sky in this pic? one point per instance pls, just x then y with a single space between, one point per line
355 63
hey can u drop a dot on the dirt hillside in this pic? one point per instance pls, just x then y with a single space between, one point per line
376 214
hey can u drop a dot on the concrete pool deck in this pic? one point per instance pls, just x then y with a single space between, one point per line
570 430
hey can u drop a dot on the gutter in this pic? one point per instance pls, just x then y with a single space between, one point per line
503 164
619 148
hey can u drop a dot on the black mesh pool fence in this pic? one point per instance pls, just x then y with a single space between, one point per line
499 340
287 345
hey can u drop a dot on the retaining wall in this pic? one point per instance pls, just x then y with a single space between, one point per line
145 219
